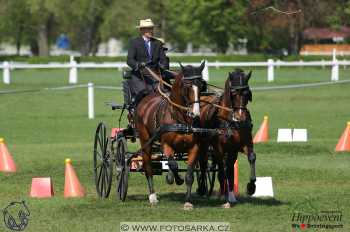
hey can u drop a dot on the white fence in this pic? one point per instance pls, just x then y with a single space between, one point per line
91 88
73 67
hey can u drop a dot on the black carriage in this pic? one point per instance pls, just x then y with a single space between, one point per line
111 156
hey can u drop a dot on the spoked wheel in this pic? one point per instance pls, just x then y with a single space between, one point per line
103 168
206 179
122 167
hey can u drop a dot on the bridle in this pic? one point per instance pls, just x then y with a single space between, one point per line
229 123
233 90
195 81
188 103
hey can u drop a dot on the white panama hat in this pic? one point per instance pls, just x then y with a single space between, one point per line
144 23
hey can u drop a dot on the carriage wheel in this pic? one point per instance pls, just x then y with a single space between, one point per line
122 167
103 168
206 180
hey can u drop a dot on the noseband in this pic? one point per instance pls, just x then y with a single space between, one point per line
234 90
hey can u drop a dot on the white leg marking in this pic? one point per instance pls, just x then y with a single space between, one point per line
153 198
227 205
188 206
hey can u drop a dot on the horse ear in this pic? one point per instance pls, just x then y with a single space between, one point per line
249 75
202 66
250 96
182 67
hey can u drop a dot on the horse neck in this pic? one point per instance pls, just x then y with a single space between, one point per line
225 101
208 112
176 97
175 94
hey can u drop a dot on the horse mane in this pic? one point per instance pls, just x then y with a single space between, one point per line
176 86
226 94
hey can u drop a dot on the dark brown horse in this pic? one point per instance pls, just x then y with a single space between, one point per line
174 112
229 114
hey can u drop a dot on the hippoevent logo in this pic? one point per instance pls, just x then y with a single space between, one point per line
306 216
16 216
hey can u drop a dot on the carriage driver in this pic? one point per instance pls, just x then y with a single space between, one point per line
144 51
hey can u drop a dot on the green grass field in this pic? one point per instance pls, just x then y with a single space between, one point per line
43 128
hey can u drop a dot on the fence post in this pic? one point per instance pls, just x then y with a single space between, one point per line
335 67
120 68
6 73
270 71
91 100
205 72
73 72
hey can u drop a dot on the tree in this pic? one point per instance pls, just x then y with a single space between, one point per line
15 22
271 30
82 20
121 18
220 22
42 12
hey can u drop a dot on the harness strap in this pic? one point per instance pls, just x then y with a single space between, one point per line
177 127
235 125
192 77
218 106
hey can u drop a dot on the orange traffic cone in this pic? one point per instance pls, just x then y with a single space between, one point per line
263 133
235 181
6 162
344 141
72 186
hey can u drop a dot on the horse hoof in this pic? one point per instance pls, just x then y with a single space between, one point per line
169 178
232 198
251 188
179 181
188 206
227 205
153 199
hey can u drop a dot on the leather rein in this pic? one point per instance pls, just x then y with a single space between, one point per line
155 76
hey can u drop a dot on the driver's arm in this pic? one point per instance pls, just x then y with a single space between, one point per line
163 60
131 60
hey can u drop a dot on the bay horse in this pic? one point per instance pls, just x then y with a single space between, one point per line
178 109
230 115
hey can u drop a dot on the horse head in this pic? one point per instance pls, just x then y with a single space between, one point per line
195 73
237 94
188 86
